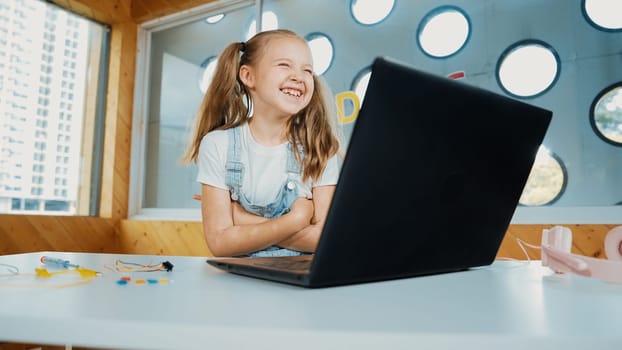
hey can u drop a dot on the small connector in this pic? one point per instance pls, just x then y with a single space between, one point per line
167 265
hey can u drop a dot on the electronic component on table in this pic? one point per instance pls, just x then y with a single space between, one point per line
46 260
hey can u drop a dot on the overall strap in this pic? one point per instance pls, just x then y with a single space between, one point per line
293 168
234 165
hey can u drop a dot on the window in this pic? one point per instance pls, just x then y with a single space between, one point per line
581 165
443 31
269 20
206 72
606 114
603 14
56 205
370 12
322 51
34 76
173 102
528 68
359 85
546 182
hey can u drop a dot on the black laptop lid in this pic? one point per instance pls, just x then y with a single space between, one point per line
432 176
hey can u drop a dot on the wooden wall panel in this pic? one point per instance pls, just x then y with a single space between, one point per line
108 11
146 10
186 238
163 238
21 234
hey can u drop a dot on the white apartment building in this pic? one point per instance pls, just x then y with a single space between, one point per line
43 58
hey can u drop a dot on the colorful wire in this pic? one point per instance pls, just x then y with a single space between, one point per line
124 266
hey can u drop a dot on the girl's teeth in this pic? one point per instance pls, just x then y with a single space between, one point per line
291 92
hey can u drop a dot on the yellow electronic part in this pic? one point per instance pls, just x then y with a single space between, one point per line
42 273
86 273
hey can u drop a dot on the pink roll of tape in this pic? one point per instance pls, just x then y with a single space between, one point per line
613 244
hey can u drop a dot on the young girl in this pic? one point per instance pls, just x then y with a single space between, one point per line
265 148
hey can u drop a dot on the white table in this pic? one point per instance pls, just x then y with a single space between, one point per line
509 305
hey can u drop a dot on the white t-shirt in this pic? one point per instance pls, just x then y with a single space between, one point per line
265 167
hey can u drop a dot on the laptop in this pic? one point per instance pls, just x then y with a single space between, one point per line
431 178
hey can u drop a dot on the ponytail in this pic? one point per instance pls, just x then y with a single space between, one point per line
225 104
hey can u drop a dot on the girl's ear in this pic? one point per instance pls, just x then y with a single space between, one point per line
247 76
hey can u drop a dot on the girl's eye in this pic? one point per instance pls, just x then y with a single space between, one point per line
310 71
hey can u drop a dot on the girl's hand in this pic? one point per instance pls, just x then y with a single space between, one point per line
307 238
301 213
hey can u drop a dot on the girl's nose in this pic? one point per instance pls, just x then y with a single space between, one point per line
296 76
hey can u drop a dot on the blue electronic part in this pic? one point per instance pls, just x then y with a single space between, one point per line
46 260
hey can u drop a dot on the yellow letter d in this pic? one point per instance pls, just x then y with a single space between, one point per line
341 108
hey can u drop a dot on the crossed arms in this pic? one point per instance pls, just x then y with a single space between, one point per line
230 230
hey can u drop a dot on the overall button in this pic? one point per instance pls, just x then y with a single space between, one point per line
291 185
234 196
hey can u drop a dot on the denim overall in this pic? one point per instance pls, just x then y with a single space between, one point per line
284 200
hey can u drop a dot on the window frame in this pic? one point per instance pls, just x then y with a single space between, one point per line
91 146
140 122
523 215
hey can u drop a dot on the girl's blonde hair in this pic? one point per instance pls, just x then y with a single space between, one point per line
227 102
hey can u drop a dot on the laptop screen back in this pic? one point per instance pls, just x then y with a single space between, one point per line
432 176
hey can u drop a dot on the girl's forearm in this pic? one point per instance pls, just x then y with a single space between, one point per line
305 240
242 217
256 233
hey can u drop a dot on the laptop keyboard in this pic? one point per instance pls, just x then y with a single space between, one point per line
283 264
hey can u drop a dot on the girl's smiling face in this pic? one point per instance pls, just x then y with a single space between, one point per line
281 83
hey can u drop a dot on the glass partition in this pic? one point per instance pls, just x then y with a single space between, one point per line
490 48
